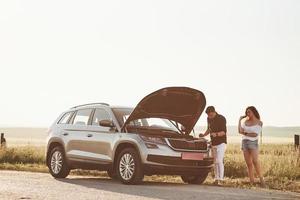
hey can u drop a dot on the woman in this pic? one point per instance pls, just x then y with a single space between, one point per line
250 129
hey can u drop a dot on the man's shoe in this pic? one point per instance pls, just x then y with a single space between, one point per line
216 182
221 182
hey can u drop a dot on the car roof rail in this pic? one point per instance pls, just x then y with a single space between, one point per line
89 104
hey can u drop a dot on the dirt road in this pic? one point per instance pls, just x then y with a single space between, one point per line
27 185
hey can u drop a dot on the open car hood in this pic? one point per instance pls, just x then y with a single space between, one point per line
180 104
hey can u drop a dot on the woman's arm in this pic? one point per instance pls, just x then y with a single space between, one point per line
251 134
258 131
240 129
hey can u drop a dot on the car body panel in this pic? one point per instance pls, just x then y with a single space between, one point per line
96 147
180 104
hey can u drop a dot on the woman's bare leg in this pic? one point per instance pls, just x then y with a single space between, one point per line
249 163
255 160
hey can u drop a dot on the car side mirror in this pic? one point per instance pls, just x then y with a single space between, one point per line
107 123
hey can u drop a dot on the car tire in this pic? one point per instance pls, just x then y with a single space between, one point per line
129 167
57 163
112 174
199 179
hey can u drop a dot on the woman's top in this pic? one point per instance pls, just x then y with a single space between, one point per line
251 129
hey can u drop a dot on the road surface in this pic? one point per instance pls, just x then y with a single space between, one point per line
27 185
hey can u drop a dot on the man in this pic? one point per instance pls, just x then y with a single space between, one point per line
216 127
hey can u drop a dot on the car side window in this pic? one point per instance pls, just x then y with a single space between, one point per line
65 118
82 117
100 114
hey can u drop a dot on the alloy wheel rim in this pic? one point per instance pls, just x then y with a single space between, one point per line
126 166
56 162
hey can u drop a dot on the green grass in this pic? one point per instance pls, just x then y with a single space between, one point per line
280 166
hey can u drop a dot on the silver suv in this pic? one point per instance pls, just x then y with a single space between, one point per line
153 138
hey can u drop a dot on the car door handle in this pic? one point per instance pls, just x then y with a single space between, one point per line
89 135
65 134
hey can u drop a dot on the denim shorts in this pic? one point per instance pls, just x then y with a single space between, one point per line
249 145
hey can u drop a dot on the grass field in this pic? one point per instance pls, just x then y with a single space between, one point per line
280 163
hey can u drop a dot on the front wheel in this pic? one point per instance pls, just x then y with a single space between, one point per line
199 179
129 167
112 174
57 163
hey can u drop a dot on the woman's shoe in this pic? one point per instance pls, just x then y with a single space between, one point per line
262 183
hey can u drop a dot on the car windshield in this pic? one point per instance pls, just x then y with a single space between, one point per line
123 113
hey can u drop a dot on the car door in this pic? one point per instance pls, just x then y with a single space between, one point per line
76 135
101 138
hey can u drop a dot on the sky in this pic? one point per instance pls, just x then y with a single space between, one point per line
58 54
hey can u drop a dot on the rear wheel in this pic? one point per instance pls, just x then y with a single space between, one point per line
57 163
199 179
129 167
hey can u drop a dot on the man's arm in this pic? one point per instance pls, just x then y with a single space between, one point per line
205 134
207 130
221 133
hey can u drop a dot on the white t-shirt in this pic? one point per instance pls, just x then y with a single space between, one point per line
251 129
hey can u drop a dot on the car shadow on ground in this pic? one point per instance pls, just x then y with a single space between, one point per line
149 189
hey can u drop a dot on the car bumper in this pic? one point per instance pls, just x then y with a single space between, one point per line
168 165
164 160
